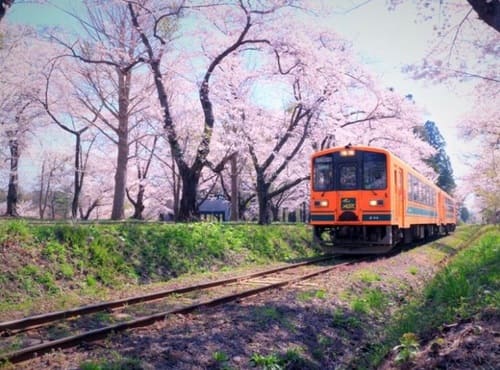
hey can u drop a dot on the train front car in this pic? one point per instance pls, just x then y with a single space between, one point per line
350 206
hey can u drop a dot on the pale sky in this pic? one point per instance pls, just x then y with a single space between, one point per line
384 40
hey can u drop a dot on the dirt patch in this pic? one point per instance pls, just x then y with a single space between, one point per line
464 345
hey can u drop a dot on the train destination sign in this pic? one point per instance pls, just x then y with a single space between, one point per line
348 204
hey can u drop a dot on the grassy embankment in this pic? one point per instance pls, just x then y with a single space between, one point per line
466 288
46 267
53 266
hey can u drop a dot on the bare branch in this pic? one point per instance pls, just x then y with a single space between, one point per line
459 26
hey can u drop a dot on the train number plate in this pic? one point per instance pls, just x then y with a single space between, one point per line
348 204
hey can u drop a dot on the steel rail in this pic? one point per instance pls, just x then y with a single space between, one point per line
9 328
40 349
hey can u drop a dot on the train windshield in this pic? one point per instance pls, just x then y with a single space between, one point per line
323 173
360 171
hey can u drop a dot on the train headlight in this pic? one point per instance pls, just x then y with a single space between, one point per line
321 203
347 152
376 202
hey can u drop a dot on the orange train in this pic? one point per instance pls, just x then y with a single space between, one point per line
367 200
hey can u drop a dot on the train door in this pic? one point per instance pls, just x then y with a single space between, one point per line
441 209
400 199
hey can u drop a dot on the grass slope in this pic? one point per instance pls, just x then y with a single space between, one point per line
464 290
63 262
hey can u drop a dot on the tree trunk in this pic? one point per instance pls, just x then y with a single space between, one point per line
243 204
78 170
77 177
12 193
45 188
118 211
85 215
176 190
53 206
234 187
42 198
264 212
138 203
188 210
263 199
275 210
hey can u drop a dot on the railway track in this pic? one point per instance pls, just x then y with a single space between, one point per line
159 306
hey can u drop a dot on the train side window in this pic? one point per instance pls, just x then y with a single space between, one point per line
413 188
374 171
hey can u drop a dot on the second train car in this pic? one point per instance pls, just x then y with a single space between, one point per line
366 200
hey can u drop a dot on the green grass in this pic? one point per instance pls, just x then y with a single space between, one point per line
61 262
220 357
121 364
266 362
15 231
471 283
309 295
413 270
371 300
292 358
47 261
266 314
367 276
368 300
468 285
345 321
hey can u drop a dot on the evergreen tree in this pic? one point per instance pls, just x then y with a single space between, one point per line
464 214
440 161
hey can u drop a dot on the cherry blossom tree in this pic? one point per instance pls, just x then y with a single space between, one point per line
330 100
267 81
395 127
108 58
96 199
65 116
143 155
484 183
19 87
466 50
53 171
237 29
483 132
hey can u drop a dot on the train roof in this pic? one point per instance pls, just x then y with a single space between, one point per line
355 147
